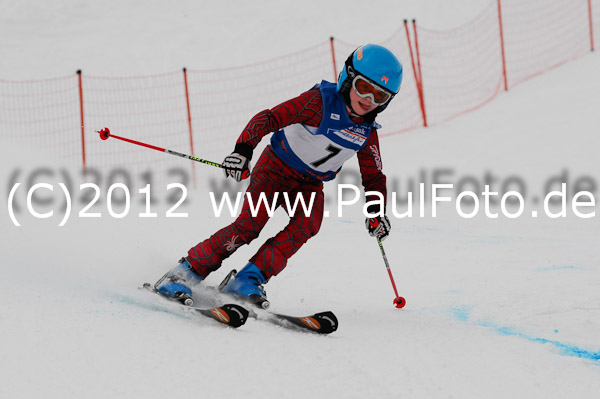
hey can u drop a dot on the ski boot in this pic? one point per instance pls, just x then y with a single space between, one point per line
247 285
177 283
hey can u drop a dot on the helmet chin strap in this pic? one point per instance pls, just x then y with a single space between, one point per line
368 117
351 111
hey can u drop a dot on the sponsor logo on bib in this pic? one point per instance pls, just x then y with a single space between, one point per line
355 135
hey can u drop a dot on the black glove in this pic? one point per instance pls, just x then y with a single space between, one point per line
378 227
236 166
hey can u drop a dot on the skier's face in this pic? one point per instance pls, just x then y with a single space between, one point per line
360 106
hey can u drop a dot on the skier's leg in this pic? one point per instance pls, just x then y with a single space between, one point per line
272 257
207 256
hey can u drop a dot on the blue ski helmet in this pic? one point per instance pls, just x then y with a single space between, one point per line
377 64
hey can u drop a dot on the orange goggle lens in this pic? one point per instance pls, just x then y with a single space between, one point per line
365 89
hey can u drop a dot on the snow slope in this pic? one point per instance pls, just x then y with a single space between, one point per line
496 307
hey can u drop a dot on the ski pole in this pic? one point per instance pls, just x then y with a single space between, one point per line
105 134
398 301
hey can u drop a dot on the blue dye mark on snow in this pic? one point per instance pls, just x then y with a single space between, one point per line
556 268
463 313
565 349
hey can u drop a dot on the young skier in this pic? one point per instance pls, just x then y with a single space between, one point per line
315 133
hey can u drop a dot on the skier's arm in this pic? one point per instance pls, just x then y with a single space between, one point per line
373 179
306 108
369 160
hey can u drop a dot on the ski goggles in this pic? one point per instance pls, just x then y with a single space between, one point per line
365 88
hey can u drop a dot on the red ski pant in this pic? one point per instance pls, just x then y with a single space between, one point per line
269 176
